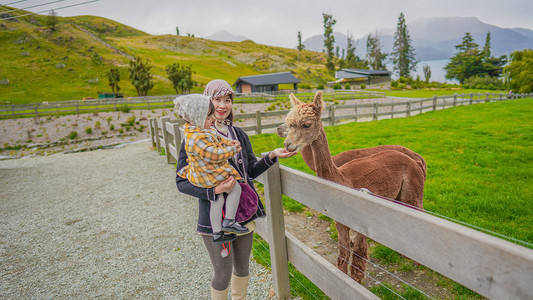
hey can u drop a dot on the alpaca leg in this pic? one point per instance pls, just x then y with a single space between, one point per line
343 260
359 257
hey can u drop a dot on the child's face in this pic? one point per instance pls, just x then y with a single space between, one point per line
209 121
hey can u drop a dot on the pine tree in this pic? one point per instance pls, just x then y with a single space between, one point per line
329 40
351 59
376 59
486 49
177 31
403 53
140 76
300 46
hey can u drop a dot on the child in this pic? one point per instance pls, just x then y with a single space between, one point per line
208 154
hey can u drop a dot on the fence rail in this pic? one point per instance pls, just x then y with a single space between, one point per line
493 267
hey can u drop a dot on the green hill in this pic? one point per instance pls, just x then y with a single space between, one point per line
45 65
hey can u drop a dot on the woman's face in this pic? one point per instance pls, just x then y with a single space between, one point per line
222 107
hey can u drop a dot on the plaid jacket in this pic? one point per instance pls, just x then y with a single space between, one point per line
207 157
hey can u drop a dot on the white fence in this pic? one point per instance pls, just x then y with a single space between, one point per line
493 267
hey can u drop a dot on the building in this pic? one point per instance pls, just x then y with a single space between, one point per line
356 76
265 82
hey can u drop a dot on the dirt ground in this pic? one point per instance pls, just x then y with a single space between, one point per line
26 137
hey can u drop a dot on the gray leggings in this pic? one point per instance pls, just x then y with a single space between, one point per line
237 261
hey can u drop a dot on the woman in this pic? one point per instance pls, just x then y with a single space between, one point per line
235 266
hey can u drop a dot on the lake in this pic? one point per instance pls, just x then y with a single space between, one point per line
437 70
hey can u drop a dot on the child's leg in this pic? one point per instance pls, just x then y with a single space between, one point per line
215 213
232 201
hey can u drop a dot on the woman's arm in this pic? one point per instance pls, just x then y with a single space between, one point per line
188 188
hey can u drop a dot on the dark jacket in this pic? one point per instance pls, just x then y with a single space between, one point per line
249 164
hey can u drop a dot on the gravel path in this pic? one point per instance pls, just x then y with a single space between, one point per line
106 223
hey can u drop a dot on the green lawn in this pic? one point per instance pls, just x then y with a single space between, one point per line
479 158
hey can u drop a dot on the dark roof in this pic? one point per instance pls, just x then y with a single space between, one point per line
267 79
357 73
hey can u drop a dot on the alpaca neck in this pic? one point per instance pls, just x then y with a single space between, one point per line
323 162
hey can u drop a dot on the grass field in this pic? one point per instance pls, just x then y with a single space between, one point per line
479 158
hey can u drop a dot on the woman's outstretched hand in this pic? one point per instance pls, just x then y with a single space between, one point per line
225 186
281 153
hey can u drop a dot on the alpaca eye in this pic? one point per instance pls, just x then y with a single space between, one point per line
306 125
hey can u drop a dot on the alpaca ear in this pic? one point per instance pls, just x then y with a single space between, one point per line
294 100
319 101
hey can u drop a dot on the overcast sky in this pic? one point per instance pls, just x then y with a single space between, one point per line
277 22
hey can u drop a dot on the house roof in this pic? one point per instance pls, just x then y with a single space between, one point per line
357 73
267 79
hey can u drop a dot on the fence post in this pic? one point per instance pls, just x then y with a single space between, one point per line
156 134
166 139
455 100
332 115
471 98
375 117
258 122
409 109
355 118
276 231
392 109
487 99
36 112
177 138
151 130
13 110
435 103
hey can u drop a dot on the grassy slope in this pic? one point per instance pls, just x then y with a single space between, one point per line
35 78
479 158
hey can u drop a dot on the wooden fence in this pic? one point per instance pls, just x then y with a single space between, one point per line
11 110
493 267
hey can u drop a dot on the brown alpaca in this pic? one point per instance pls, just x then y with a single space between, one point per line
391 171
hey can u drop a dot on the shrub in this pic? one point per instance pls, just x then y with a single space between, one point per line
112 127
484 82
394 83
337 86
363 86
347 86
73 135
109 119
320 86
89 130
125 108
305 86
130 121
97 125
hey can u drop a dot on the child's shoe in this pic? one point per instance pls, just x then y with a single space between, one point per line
230 225
220 237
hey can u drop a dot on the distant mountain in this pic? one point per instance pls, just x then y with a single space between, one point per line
435 38
224 36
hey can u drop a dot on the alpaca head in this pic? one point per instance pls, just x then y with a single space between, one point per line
302 124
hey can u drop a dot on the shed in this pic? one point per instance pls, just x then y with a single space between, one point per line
265 82
358 76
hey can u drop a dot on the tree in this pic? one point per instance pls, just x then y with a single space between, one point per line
427 72
519 72
374 56
51 20
403 53
181 77
469 61
329 40
140 76
113 75
300 46
177 31
486 48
